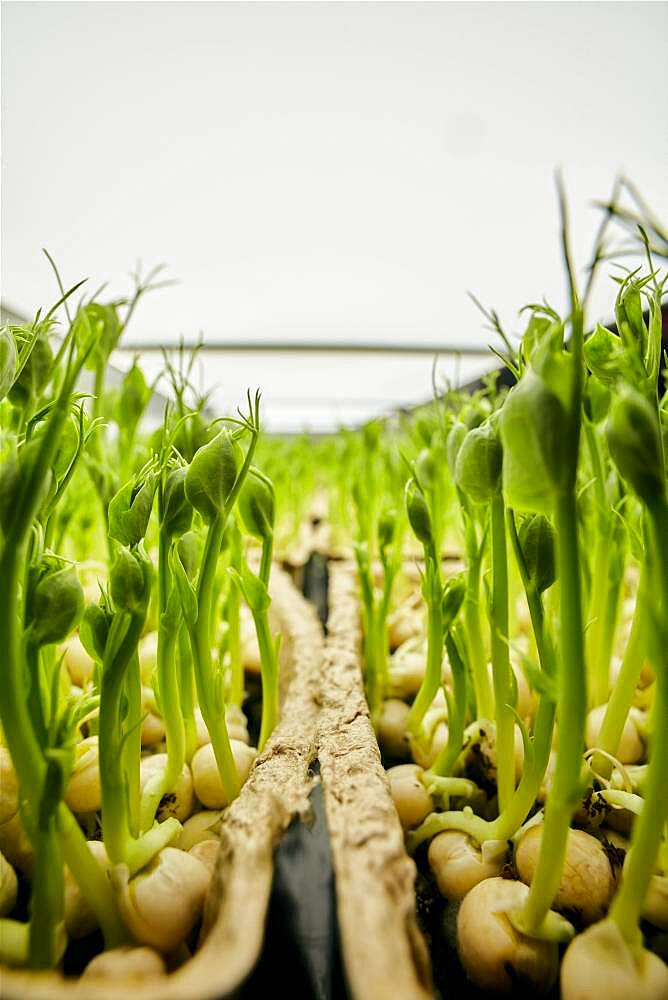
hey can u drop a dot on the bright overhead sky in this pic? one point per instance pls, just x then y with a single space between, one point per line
334 172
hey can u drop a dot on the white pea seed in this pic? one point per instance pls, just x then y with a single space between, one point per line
201 826
206 777
8 887
207 852
178 802
147 651
83 793
392 734
599 965
411 799
125 963
458 864
162 904
587 880
494 954
631 749
79 918
79 665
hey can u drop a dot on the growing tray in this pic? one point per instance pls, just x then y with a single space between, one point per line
384 953
275 796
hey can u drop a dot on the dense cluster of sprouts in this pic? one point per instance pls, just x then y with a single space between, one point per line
509 547
131 608
526 680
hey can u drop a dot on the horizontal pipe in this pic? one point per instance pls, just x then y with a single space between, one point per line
307 347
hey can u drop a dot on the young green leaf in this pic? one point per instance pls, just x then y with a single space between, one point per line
212 474
418 513
177 509
130 580
180 560
634 438
454 593
605 356
130 510
479 463
94 629
254 590
537 540
257 504
56 605
534 448
8 361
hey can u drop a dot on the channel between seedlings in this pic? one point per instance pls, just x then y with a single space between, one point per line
384 953
276 792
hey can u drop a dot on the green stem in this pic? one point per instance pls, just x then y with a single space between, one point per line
132 741
623 691
445 761
98 391
371 664
268 653
175 736
187 692
46 905
603 610
266 558
369 635
37 690
381 648
505 720
91 878
163 562
168 685
213 709
648 828
481 683
14 942
122 847
432 678
17 725
115 806
511 818
598 668
232 609
390 569
529 786
571 708
436 506
269 669
97 452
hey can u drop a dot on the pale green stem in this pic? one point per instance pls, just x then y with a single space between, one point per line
122 847
132 742
213 711
482 687
621 697
175 736
187 692
648 828
505 720
233 625
46 904
571 708
432 677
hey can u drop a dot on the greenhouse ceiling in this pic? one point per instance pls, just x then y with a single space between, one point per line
320 175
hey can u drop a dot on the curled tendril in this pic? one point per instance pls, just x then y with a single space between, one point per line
616 766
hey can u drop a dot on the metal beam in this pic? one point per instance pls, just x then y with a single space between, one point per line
308 347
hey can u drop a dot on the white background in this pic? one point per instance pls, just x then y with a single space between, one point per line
322 171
